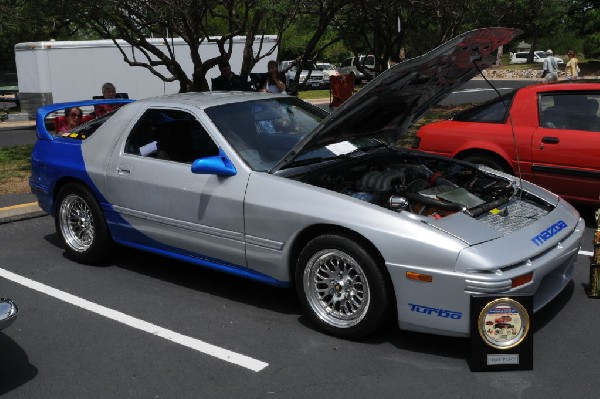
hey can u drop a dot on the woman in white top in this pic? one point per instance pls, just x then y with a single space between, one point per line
272 83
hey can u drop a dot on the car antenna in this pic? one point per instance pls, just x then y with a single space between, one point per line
512 126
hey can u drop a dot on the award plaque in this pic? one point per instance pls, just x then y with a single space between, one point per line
501 337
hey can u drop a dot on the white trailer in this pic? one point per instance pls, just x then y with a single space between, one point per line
58 71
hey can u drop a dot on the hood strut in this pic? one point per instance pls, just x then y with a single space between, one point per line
512 128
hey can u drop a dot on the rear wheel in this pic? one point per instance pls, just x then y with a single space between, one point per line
80 224
488 160
341 287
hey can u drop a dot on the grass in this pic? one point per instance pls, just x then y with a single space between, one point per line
15 169
313 94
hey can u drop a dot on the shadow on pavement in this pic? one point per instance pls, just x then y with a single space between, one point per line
15 369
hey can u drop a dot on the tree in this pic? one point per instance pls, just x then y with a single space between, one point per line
34 20
316 17
195 21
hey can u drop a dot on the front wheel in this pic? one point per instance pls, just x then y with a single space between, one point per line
80 224
341 287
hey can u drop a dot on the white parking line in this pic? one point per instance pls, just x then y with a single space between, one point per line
200 346
586 253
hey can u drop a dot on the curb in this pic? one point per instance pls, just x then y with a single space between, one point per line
19 212
8 124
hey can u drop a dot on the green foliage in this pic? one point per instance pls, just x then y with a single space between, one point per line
330 30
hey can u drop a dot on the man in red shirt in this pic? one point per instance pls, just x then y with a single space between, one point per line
108 91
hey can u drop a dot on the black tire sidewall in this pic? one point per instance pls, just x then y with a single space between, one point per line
379 286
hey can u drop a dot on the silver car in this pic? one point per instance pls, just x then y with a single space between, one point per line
271 188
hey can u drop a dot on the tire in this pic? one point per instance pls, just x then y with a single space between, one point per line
487 160
341 287
81 225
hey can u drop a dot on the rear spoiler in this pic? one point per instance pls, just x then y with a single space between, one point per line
44 111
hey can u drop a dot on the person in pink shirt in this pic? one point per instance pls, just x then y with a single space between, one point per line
73 117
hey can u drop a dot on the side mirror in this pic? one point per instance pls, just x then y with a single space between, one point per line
219 165
8 312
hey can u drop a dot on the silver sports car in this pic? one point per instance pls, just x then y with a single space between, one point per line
271 188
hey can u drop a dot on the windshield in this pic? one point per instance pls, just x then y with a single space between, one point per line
263 131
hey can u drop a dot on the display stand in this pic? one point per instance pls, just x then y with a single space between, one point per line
501 333
593 288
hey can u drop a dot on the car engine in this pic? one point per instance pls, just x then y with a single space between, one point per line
429 186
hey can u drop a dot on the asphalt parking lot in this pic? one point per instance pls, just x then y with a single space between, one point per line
144 326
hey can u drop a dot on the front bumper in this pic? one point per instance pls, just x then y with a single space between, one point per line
442 307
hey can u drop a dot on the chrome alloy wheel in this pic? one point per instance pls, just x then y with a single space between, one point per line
336 288
76 223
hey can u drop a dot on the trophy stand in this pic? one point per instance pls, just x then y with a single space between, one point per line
594 285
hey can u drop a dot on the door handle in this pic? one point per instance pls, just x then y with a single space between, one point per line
123 170
550 140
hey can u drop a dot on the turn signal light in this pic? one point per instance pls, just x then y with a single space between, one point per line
419 277
521 280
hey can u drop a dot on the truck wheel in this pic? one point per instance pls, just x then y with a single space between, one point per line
81 226
341 287
489 161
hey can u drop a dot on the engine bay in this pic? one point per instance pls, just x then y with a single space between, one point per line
430 186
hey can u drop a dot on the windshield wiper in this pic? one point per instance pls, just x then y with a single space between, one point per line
370 147
313 160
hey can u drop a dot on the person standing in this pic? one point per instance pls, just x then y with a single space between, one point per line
550 68
228 80
572 68
272 83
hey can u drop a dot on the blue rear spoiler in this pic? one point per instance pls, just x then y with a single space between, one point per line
42 112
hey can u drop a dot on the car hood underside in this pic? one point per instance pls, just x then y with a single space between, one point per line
388 105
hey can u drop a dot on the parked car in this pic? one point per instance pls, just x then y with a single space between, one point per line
327 68
551 137
520 57
316 80
350 66
271 188
8 312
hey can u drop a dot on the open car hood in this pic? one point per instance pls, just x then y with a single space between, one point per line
389 104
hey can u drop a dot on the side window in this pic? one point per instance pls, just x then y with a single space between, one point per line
494 111
570 111
171 135
346 62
